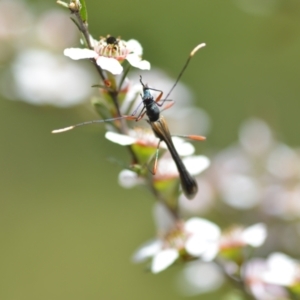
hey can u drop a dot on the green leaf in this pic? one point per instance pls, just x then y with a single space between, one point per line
103 108
83 11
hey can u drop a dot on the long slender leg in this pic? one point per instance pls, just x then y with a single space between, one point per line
134 112
156 158
154 169
163 100
141 114
158 98
143 110
167 106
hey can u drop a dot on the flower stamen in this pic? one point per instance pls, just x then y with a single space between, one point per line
112 47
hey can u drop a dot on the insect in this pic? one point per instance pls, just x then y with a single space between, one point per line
160 128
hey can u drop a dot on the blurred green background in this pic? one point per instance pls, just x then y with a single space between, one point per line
67 230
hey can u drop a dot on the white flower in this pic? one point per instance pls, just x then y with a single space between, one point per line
194 238
109 52
203 239
196 164
138 136
41 77
129 179
163 259
258 171
166 167
200 277
253 236
147 138
282 270
121 139
252 273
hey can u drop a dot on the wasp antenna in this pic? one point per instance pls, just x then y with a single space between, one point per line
185 66
197 48
90 122
141 81
62 129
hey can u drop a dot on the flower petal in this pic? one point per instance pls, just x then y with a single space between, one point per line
134 47
110 64
211 251
147 250
199 277
195 245
282 269
163 259
204 238
255 235
196 164
136 62
121 139
78 53
203 227
183 148
129 179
